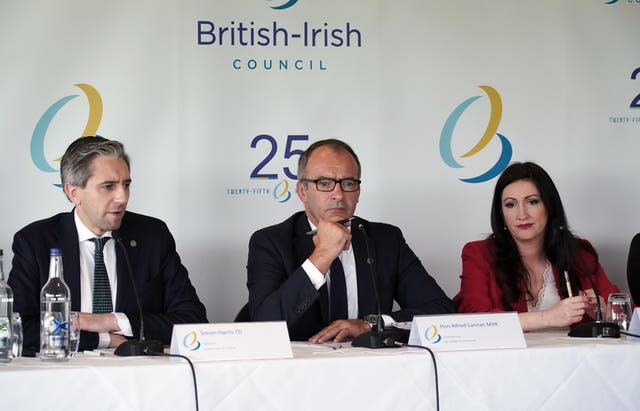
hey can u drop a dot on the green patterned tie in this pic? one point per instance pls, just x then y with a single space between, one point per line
101 288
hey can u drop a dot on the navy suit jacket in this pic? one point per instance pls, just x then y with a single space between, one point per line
166 294
279 289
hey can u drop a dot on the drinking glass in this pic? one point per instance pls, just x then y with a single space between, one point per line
16 335
619 310
74 332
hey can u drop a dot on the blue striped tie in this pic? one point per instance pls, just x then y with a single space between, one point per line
101 288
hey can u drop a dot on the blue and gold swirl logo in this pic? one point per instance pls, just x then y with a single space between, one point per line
190 341
281 191
432 335
285 5
40 131
446 137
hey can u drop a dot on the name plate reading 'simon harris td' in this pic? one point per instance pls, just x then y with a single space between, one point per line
232 341
457 332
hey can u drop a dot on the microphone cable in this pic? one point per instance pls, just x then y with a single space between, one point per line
435 371
193 371
142 346
629 334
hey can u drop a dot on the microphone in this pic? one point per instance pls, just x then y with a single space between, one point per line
598 328
378 338
135 347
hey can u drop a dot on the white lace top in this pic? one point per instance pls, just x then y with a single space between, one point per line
548 295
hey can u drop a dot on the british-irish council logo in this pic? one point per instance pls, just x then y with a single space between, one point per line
285 5
446 137
40 131
190 341
431 334
281 191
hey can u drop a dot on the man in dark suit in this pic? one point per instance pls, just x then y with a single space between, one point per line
320 284
96 179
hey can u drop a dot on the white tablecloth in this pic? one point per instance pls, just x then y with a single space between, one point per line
555 372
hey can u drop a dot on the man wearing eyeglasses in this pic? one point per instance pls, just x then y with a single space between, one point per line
311 270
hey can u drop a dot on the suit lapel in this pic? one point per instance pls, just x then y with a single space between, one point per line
124 294
303 243
68 241
303 247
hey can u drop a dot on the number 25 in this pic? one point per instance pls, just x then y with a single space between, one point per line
288 153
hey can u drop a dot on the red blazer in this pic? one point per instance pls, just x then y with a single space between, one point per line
479 291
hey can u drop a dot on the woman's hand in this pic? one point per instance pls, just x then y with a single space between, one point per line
566 312
591 296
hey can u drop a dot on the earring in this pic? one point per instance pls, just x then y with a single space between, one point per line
504 228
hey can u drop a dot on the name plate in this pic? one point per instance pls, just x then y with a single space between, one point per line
457 332
232 341
634 325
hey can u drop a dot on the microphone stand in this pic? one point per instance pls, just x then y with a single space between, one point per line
597 328
136 347
378 338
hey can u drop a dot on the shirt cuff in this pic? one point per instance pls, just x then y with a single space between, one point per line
124 324
315 276
125 329
103 340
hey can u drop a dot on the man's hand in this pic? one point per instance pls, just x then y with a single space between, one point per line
340 330
332 238
99 323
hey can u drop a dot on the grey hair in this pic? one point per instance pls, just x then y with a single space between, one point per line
75 167
334 144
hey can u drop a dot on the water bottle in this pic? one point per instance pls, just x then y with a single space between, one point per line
16 335
6 311
55 304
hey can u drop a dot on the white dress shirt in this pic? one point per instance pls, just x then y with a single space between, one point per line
87 248
348 260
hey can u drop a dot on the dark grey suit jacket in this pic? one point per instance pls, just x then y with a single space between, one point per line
166 294
279 289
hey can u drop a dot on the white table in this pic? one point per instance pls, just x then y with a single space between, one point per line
555 372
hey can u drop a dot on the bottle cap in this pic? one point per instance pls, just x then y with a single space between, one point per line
55 251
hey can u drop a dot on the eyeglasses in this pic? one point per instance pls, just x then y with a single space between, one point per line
348 185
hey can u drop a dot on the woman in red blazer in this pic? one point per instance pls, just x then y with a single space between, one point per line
521 265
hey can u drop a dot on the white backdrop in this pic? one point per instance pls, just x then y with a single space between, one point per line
187 116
